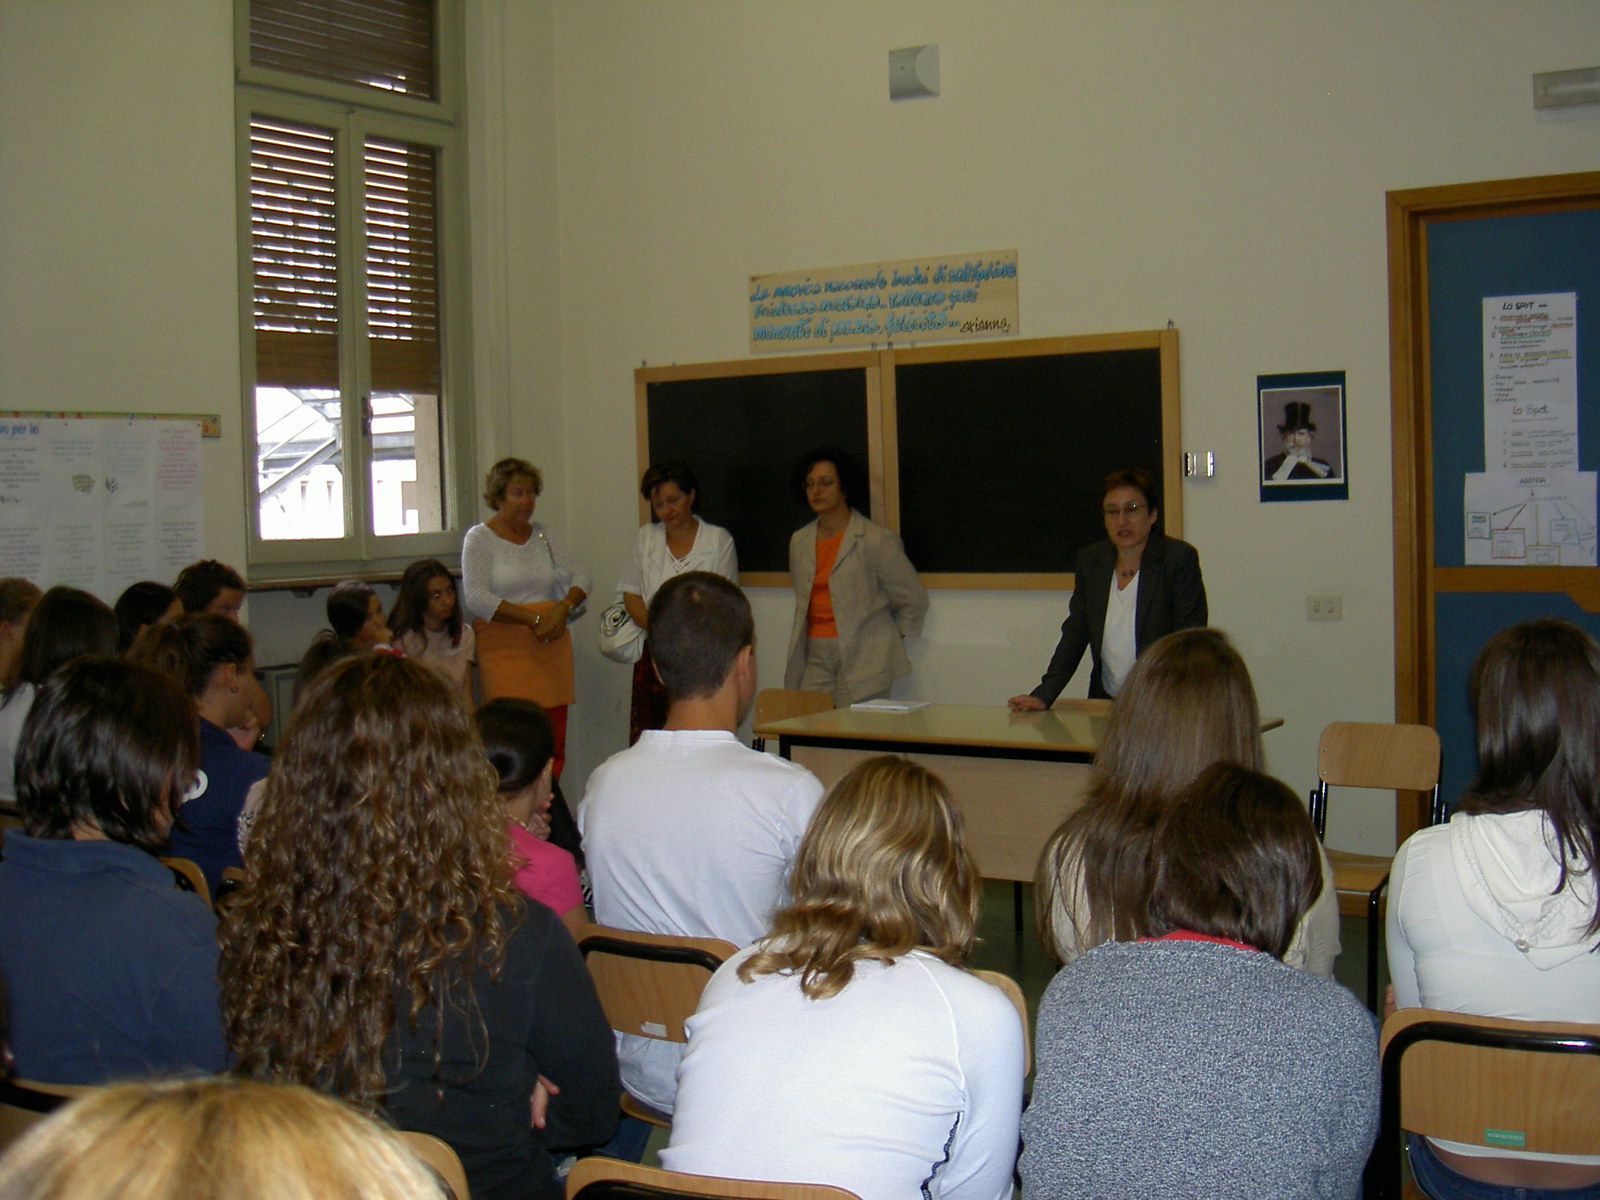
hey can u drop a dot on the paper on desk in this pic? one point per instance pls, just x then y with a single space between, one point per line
891 706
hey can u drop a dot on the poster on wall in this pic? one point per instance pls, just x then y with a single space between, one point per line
98 504
1530 382
1300 419
940 298
1530 519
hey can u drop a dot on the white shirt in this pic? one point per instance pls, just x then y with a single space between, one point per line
907 1083
652 563
12 716
1461 898
690 833
495 570
434 650
1118 647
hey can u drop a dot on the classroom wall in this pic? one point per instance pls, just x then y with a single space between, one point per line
1222 166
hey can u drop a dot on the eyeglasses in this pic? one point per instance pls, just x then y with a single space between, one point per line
1113 511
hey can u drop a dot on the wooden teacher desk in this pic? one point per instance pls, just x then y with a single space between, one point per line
1015 776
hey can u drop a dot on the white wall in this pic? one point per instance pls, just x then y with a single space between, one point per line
1220 165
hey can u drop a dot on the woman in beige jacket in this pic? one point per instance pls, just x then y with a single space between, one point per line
857 596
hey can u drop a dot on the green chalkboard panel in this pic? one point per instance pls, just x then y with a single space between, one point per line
743 435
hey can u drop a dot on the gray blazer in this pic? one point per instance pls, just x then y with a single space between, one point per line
877 601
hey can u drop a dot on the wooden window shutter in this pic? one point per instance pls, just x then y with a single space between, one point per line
402 266
384 44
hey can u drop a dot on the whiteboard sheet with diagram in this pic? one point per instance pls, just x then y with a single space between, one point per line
98 503
1536 518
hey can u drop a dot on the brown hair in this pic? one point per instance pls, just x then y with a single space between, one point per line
196 1139
191 648
672 471
1136 478
699 622
65 624
17 598
380 816
201 582
882 870
1188 702
410 609
1535 693
1235 856
503 472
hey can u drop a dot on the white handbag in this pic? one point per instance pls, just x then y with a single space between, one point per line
621 640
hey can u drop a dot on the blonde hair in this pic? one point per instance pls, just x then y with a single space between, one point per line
210 1138
1187 703
503 472
882 870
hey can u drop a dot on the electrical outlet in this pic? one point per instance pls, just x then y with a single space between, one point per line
1328 606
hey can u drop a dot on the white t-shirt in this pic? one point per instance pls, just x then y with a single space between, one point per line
1118 646
652 564
690 833
1462 896
906 1084
434 650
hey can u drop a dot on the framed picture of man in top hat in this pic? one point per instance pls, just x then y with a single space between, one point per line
1301 420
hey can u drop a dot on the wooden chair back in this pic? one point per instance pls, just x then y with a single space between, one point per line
649 984
24 1104
190 877
1369 754
1486 1081
1009 986
438 1155
609 1179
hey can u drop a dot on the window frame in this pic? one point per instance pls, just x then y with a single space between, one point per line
355 114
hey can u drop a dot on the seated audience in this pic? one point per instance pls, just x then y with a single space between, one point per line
689 831
849 1047
1193 1062
112 970
210 586
1496 913
142 605
17 598
194 1139
428 625
1186 703
378 950
356 626
64 625
211 657
521 746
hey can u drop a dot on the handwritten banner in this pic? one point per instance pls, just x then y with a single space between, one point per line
916 300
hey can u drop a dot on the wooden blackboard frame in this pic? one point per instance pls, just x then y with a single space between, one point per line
883 465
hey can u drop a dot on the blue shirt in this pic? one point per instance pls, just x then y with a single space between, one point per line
112 970
207 829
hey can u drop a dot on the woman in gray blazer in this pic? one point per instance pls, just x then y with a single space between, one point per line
856 595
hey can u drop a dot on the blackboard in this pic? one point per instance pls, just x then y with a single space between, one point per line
1000 460
743 435
986 457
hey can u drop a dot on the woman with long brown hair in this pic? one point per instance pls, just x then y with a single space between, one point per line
1187 703
379 951
849 1047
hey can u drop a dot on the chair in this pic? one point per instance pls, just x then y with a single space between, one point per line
609 1179
23 1105
437 1154
1404 758
1009 986
189 877
1525 1085
779 704
649 984
229 888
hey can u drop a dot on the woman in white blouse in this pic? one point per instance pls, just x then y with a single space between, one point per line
674 542
522 587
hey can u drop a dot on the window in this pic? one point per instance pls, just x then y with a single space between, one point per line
354 290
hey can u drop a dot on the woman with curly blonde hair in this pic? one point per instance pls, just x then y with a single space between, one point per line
849 1047
379 952
178 1139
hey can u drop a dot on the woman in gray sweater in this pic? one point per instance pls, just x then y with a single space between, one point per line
1193 1062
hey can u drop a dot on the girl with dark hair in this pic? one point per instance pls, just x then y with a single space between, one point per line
112 970
17 598
378 950
856 595
674 542
211 657
356 626
142 605
1497 913
849 1047
1155 1052
64 625
428 625
1187 703
521 748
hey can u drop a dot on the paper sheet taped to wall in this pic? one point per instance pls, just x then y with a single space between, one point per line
1530 519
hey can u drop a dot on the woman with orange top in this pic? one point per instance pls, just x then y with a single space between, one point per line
857 596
